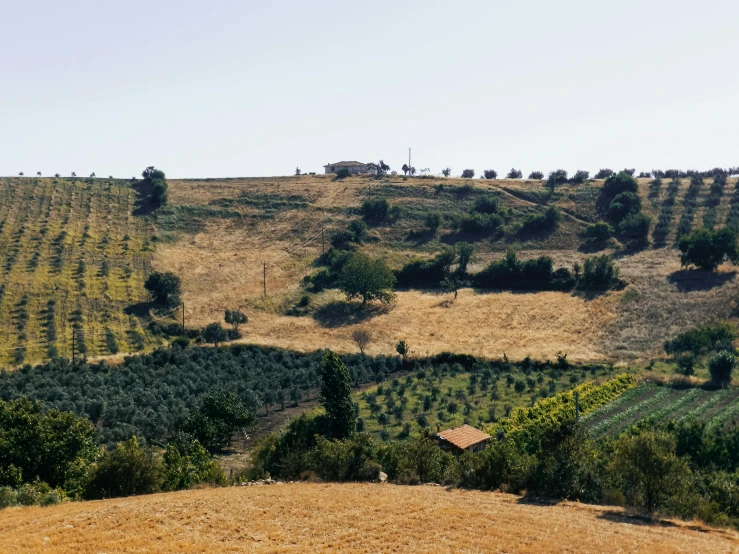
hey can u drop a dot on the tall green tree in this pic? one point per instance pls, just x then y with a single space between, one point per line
219 416
367 278
336 397
164 287
43 445
648 468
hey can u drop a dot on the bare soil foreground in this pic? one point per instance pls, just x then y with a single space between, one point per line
350 517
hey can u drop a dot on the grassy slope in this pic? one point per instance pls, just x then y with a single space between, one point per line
304 517
50 226
219 232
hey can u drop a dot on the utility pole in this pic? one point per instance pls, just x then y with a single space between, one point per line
265 279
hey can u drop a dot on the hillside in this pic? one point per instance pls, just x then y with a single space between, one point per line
217 233
73 257
80 244
326 518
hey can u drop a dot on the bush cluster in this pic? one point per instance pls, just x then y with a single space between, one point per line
535 274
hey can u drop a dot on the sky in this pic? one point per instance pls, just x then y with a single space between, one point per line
242 88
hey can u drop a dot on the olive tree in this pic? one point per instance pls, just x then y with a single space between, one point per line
367 278
164 287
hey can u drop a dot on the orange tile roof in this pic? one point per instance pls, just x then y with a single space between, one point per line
463 436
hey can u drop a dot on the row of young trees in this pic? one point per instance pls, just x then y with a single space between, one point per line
581 176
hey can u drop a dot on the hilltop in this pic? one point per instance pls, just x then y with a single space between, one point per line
303 517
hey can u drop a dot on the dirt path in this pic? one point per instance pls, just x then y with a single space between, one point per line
536 205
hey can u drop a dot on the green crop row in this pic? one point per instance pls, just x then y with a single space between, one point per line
558 408
724 416
611 422
713 399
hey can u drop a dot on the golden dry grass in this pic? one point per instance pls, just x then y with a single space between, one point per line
487 325
347 518
220 264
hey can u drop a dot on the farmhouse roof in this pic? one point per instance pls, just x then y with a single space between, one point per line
463 437
345 164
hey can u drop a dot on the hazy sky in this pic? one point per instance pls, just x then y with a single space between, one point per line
245 88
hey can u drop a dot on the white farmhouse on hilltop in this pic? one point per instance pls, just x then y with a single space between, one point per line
353 167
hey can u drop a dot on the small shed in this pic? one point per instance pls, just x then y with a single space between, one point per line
459 439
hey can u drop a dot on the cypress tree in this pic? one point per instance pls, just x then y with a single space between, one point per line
336 397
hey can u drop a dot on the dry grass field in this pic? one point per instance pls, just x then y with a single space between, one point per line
345 518
217 233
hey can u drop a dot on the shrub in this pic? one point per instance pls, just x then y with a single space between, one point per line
701 339
320 280
490 174
187 463
599 272
214 334
343 173
598 231
515 174
580 177
375 209
464 251
707 249
618 183
635 227
468 173
720 367
481 223
432 220
8 498
235 318
535 274
537 222
536 175
603 173
487 204
623 204
425 272
558 177
126 471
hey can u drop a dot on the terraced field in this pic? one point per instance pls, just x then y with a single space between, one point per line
73 257
656 403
